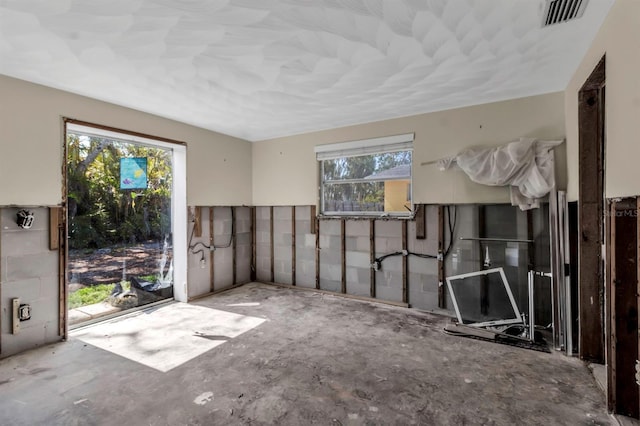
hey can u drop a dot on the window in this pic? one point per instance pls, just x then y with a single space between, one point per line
368 177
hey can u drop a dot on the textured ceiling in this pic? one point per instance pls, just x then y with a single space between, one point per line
258 69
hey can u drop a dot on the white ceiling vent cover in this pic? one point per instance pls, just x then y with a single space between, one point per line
557 11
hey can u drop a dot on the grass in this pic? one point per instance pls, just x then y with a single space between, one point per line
90 295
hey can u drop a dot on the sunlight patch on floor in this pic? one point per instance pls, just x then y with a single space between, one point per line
168 336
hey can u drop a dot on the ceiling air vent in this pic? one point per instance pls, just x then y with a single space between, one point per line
557 11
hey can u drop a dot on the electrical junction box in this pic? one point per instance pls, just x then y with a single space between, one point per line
21 312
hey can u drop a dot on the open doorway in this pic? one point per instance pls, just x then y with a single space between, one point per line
124 195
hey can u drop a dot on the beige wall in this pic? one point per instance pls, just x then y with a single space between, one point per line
285 170
619 38
219 166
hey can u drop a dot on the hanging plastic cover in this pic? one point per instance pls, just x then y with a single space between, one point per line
525 165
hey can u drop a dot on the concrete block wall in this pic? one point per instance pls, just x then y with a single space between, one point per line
422 274
330 255
263 244
29 271
282 235
358 257
199 277
305 247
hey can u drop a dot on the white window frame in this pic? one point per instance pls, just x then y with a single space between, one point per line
357 148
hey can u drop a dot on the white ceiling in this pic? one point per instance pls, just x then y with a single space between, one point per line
259 69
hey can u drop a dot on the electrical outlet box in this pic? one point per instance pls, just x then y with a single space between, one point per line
24 312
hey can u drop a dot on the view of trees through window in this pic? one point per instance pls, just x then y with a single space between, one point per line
364 183
120 247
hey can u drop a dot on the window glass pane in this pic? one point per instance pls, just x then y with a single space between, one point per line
377 166
354 197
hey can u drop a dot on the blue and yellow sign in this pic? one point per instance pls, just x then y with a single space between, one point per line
133 173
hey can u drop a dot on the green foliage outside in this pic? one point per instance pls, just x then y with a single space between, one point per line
100 214
90 295
365 167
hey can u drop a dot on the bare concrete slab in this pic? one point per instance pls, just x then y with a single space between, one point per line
316 359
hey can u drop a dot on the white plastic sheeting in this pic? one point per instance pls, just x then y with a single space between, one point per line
526 166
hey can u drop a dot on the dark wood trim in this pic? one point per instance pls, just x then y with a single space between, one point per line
405 263
372 256
212 286
343 255
590 214
253 243
623 392
115 129
610 296
271 245
293 245
421 223
441 243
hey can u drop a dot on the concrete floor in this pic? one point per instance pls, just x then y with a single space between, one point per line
317 359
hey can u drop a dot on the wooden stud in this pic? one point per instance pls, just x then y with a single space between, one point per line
484 280
197 222
54 228
293 245
421 223
441 243
343 255
63 259
253 243
234 248
212 286
313 222
271 244
372 257
317 233
405 264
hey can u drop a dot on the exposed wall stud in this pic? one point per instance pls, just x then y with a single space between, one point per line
211 252
197 221
317 233
234 247
54 227
372 256
421 225
271 243
293 245
441 243
313 223
343 254
405 263
253 243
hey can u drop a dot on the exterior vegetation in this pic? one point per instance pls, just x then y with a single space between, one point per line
358 183
100 213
